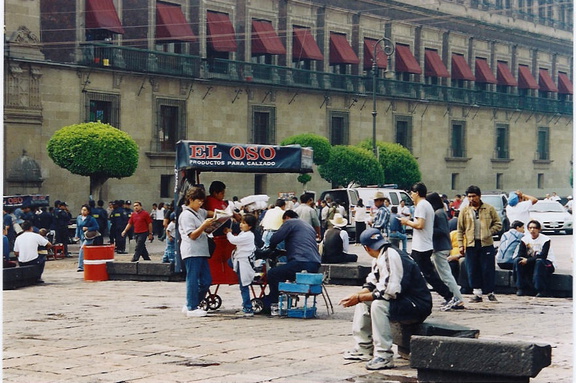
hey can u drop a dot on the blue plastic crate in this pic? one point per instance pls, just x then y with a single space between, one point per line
309 278
310 312
286 287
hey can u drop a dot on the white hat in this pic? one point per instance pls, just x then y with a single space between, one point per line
379 195
339 221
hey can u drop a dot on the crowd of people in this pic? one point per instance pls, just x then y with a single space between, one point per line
451 243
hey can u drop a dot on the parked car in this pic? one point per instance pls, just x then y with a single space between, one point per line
499 201
553 216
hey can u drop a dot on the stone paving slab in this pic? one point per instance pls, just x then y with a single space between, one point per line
69 330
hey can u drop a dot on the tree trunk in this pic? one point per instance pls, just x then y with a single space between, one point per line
96 183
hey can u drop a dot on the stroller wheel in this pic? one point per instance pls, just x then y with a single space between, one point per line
211 302
257 305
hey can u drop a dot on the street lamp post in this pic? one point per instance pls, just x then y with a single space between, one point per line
388 51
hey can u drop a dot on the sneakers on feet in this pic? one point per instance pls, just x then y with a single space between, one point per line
379 364
196 313
357 355
452 304
492 297
475 299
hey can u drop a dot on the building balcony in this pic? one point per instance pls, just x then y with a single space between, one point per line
115 57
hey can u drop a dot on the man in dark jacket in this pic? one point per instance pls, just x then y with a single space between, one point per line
118 220
62 219
101 216
395 291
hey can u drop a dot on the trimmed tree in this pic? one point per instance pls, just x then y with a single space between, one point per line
319 144
351 164
400 166
95 150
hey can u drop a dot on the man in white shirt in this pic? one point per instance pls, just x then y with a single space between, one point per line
422 244
26 247
272 221
519 205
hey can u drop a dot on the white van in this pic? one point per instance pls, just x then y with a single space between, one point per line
348 197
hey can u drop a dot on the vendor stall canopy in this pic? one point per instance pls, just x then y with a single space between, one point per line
245 158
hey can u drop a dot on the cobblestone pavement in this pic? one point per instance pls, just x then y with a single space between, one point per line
70 330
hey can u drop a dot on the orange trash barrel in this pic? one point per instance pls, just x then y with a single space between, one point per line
95 259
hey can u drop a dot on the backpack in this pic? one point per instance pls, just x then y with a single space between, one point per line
508 249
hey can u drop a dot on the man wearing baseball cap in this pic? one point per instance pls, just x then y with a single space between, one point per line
395 290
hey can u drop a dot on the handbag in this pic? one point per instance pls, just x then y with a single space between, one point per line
91 234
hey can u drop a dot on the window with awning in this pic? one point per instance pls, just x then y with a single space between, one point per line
405 60
545 81
564 84
460 68
265 40
381 58
525 78
504 75
483 72
171 25
433 65
340 50
221 36
304 46
101 14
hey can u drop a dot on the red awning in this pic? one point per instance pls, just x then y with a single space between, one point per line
221 35
564 84
171 24
460 68
340 51
525 78
265 40
545 81
484 73
405 60
505 77
101 14
304 46
381 58
433 65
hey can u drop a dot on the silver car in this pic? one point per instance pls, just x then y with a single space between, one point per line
552 215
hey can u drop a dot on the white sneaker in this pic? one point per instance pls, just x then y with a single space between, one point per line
184 309
196 313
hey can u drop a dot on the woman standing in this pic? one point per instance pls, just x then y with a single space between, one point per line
194 250
360 217
86 230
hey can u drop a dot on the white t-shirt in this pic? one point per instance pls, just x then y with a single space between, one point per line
422 239
26 245
520 212
536 245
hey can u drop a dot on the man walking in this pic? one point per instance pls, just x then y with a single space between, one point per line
422 243
477 223
142 223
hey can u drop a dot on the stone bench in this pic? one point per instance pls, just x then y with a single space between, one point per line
402 334
20 276
143 271
446 359
350 274
560 283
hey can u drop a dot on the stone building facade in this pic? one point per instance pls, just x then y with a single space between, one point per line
479 91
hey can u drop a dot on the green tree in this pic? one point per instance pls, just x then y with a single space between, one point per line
400 166
304 178
319 144
351 164
96 150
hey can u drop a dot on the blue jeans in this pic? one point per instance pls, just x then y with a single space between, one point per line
198 280
170 251
481 267
287 272
403 237
85 242
534 273
244 291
